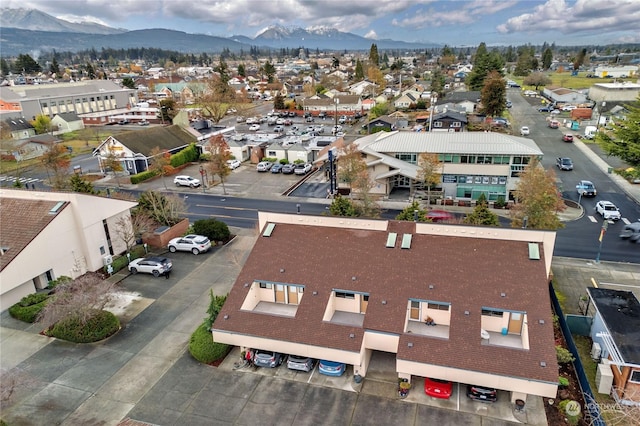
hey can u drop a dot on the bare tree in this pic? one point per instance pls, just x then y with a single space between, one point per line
367 203
429 172
130 228
112 162
217 165
161 162
77 299
164 209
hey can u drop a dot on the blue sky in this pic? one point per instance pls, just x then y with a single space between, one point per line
456 23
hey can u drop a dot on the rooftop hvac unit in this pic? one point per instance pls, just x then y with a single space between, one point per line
596 350
107 259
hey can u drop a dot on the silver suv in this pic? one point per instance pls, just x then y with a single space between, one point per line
586 188
267 358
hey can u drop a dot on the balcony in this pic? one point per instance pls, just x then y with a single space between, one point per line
422 329
506 340
272 308
347 318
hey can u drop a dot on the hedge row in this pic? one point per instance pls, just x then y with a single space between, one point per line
101 325
203 348
142 176
187 155
28 308
122 261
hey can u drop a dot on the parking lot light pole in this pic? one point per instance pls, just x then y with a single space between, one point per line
203 174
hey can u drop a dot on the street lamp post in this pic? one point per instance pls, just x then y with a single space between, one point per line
336 102
605 225
432 101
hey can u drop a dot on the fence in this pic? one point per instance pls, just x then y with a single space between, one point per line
591 407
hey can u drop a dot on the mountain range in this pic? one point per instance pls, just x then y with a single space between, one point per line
32 32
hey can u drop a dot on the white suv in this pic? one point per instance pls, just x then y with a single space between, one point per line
196 244
186 181
608 210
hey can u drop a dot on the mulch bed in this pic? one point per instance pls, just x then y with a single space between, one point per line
555 416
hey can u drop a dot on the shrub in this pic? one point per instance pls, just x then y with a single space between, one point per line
564 356
28 308
100 326
213 229
203 348
500 203
62 280
122 261
142 176
563 381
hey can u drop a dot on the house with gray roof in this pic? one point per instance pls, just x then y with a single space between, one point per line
472 163
133 149
67 122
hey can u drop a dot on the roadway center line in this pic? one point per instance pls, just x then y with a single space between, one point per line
225 208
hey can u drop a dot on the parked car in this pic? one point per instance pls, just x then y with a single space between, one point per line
288 122
123 122
546 108
607 210
196 244
481 393
280 121
586 188
322 114
143 123
288 169
279 128
233 164
530 92
239 119
267 358
154 265
276 168
568 107
302 168
524 131
554 124
252 120
264 166
439 215
337 129
567 137
564 163
292 114
183 180
343 119
254 127
331 368
438 388
631 232
300 363
309 119
509 104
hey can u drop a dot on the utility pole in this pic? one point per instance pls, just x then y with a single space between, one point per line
605 225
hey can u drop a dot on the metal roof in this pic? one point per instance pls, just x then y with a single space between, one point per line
486 143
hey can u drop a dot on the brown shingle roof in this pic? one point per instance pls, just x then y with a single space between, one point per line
468 273
20 222
143 141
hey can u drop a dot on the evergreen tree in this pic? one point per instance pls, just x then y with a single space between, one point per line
241 70
80 184
626 141
54 68
374 58
481 215
483 64
26 64
270 71
128 82
547 58
413 213
493 94
359 70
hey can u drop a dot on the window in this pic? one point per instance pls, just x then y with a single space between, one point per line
271 153
456 124
635 376
437 124
345 295
492 313
438 306
266 285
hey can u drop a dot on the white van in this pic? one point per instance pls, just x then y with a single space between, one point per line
590 132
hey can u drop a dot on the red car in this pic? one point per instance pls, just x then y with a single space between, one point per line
439 215
438 388
567 138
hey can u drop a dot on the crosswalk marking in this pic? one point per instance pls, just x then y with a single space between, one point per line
22 179
626 221
593 219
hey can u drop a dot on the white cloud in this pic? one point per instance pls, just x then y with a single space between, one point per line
597 16
371 34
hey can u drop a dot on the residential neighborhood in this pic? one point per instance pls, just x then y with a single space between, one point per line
414 228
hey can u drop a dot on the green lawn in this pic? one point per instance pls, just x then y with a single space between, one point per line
565 79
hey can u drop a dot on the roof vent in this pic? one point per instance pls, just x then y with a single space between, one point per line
282 270
534 251
351 336
541 321
384 302
466 312
406 241
246 284
543 364
503 294
431 287
315 293
269 230
391 240
410 344
57 207
353 278
226 317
